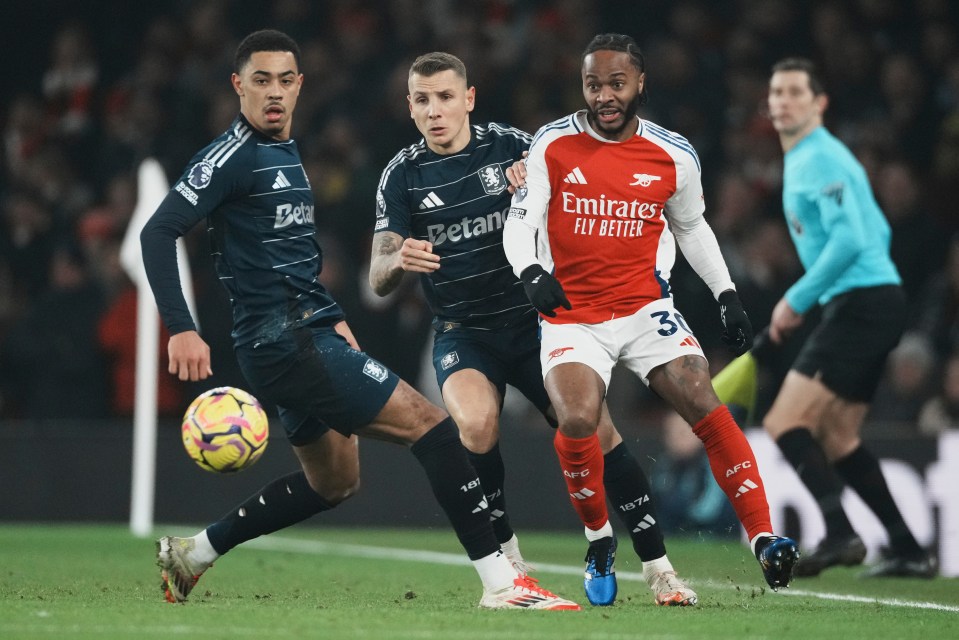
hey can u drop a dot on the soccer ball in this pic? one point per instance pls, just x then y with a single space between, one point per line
225 430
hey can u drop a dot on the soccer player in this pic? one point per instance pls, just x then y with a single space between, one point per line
843 240
291 340
592 235
439 213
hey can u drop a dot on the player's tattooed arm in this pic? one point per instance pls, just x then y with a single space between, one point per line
385 269
392 255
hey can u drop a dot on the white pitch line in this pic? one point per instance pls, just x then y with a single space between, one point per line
277 543
892 602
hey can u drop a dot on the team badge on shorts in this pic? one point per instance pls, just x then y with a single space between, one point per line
375 370
450 359
200 175
493 179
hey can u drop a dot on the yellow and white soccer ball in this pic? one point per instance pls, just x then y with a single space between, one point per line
225 430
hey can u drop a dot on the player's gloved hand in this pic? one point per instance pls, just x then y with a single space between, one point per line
738 331
543 290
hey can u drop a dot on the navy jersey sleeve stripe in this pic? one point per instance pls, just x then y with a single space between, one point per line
232 141
234 148
408 153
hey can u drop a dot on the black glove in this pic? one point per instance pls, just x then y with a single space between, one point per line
543 290
737 332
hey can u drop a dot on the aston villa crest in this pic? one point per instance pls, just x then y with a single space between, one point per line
493 179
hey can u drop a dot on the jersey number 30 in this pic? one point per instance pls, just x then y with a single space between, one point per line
668 325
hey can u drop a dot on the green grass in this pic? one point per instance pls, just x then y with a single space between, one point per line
100 582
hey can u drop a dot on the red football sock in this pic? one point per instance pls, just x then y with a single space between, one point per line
734 466
582 462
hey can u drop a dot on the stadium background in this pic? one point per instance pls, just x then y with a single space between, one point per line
94 87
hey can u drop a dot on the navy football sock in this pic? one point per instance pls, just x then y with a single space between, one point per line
280 504
628 490
492 474
457 488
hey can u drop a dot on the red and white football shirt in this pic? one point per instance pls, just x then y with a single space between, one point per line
603 212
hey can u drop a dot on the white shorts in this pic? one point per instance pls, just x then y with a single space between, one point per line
654 335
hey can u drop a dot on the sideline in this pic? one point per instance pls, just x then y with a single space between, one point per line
314 547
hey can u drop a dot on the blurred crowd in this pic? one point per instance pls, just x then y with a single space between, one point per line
109 84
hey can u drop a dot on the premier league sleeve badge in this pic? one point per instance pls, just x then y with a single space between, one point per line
200 175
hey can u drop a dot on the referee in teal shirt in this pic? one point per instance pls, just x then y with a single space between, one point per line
842 239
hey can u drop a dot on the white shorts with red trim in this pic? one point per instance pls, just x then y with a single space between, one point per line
654 335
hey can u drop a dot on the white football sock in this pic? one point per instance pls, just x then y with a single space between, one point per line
495 571
659 565
203 553
756 538
604 531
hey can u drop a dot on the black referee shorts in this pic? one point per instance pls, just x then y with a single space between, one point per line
505 356
317 381
847 351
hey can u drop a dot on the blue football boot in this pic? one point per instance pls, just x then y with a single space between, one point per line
778 557
600 579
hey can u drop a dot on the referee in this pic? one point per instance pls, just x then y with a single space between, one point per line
842 239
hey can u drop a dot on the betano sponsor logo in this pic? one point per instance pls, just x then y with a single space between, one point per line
287 214
465 229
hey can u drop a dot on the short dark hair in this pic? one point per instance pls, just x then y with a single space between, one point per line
803 64
623 43
264 40
430 64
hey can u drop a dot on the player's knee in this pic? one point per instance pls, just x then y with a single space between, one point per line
774 427
478 433
609 437
579 424
345 491
695 407
407 417
480 441
335 488
837 444
340 490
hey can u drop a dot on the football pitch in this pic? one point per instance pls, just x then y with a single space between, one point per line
98 581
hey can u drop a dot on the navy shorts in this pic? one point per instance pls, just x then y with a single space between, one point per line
505 356
847 351
317 381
